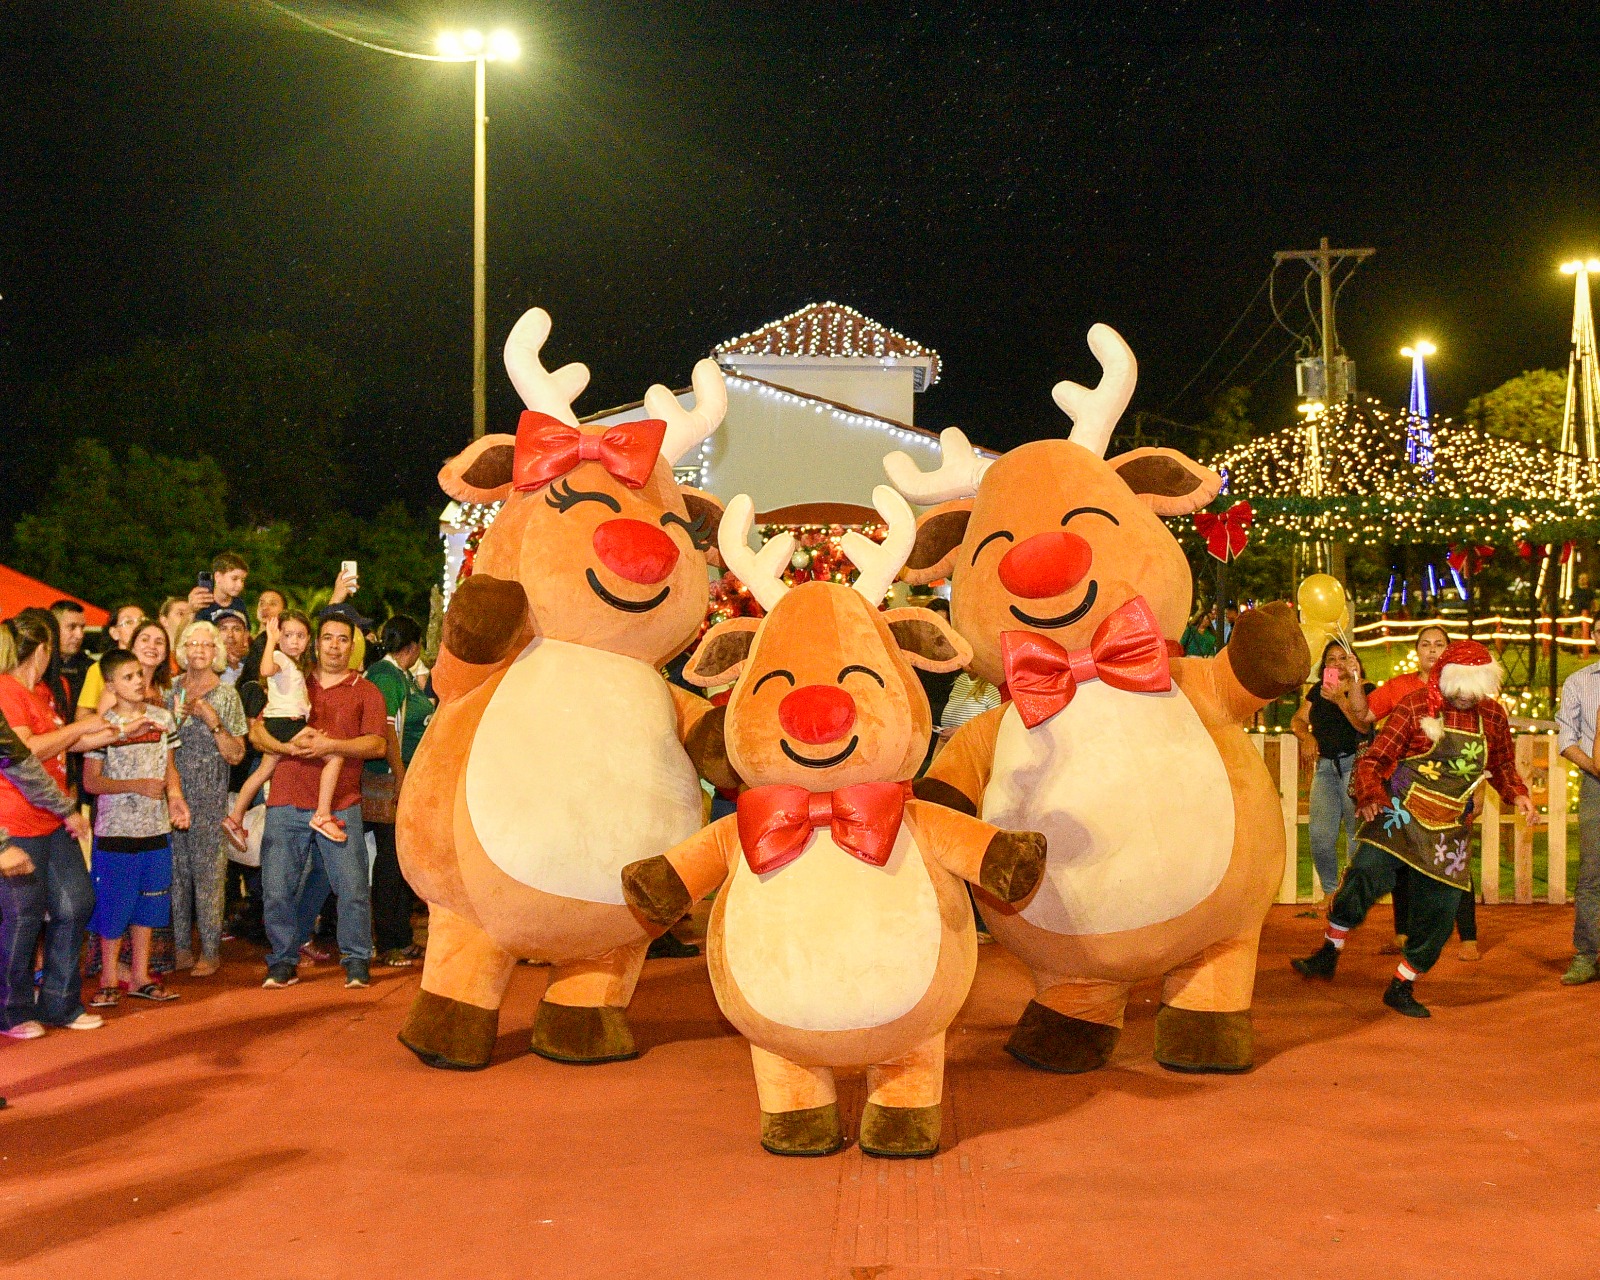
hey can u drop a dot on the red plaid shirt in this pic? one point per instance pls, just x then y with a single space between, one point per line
1402 736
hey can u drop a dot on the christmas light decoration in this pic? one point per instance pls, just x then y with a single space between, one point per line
830 329
818 557
1348 479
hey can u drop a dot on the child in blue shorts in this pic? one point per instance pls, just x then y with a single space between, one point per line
140 801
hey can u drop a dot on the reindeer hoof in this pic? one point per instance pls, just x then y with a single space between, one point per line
900 1133
1267 652
653 888
1201 1042
583 1036
1051 1041
450 1034
811 1131
1012 865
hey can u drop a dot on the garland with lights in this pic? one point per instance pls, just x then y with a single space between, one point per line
818 556
828 329
1348 476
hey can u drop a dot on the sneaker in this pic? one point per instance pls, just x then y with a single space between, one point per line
667 947
395 958
29 1030
1399 997
85 1022
281 975
356 975
1582 970
1320 963
311 952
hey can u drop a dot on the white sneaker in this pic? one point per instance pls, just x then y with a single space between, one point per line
29 1030
85 1022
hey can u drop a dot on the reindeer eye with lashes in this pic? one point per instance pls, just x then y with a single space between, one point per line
699 530
565 498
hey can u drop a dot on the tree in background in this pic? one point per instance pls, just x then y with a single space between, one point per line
1527 408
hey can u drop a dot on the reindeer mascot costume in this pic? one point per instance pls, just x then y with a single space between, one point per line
843 937
558 753
1166 837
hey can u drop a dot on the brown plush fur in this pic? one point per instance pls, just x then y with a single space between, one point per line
1207 953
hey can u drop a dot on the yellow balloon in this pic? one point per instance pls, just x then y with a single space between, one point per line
1316 634
1321 599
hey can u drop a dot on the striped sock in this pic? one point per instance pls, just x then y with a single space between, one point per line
1337 934
1405 972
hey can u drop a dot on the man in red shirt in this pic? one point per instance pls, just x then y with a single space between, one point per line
348 716
1413 790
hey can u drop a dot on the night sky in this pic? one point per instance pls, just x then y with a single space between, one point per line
989 179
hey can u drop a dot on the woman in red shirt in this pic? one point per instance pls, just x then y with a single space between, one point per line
60 884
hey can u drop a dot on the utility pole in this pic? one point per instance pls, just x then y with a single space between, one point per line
1335 386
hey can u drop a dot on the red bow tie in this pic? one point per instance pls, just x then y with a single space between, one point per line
776 822
548 448
1127 652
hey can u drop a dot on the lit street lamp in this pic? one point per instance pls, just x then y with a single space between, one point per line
480 50
1417 354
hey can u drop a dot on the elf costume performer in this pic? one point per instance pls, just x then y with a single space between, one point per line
843 936
1413 790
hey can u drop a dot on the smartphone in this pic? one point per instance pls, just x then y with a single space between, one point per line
207 580
1330 678
348 568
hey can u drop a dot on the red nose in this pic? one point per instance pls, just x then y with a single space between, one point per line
817 713
1045 565
635 550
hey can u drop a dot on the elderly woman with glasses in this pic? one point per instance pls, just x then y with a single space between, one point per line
211 739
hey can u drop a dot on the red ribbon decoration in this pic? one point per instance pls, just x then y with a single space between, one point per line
548 448
776 822
1468 560
1127 652
1225 532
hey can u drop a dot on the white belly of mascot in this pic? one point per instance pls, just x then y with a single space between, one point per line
1134 798
830 943
576 771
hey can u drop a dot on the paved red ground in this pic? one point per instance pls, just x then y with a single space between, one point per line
250 1133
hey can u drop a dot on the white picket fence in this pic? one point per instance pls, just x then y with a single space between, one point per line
1541 765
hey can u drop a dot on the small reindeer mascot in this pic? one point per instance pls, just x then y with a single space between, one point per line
1166 838
843 937
558 754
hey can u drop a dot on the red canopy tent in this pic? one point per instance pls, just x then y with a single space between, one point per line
18 592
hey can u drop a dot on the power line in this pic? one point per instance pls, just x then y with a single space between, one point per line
340 35
1272 300
1225 337
1273 363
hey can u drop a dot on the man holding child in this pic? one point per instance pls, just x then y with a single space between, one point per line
348 718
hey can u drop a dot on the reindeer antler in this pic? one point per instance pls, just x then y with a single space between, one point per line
687 428
960 471
880 562
1094 413
546 392
760 571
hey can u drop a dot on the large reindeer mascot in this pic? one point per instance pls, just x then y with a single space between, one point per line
843 938
557 756
1166 839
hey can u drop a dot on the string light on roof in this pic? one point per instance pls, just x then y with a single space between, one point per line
829 329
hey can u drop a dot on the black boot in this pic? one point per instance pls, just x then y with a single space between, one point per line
666 947
1319 964
1399 998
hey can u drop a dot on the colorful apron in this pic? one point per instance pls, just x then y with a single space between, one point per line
1425 823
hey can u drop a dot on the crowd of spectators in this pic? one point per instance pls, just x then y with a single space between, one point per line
201 774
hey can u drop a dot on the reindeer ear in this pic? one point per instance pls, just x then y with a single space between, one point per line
1169 483
719 657
482 471
940 531
707 507
927 640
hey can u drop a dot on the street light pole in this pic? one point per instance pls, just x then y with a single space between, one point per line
480 177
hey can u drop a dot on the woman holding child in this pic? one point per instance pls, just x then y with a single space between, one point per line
211 729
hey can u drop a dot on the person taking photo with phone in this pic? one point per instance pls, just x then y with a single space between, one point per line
1332 724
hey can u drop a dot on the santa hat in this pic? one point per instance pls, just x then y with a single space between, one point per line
1465 669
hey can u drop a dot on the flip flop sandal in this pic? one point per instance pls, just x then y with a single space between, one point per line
238 837
330 829
153 991
106 998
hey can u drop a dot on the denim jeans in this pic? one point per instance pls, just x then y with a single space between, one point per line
1586 892
290 856
1331 806
59 887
